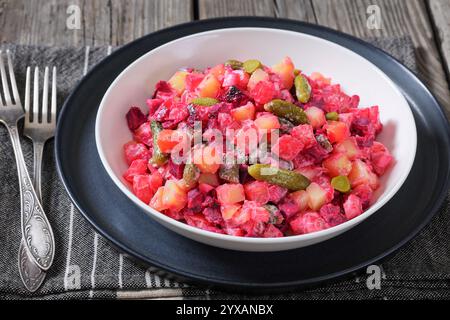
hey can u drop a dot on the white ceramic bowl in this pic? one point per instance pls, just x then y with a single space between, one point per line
356 75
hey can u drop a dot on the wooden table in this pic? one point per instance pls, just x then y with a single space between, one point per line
117 22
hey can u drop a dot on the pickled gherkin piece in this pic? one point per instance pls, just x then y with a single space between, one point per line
275 216
302 88
191 174
205 102
158 157
291 180
324 142
234 64
250 66
341 184
287 110
229 172
334 116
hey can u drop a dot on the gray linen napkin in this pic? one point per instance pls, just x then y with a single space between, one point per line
86 266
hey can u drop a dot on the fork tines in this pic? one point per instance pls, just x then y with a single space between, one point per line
8 100
32 112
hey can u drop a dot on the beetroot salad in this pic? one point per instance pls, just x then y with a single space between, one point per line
249 150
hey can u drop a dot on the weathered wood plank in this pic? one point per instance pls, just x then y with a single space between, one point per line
398 18
440 15
295 9
222 8
102 21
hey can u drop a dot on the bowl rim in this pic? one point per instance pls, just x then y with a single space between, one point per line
327 233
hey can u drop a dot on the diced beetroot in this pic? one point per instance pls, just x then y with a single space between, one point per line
380 158
178 113
276 193
176 170
153 105
352 206
213 215
287 147
195 200
347 118
134 150
305 134
272 232
332 215
257 213
263 92
363 192
289 207
205 188
164 91
193 80
135 118
142 187
337 165
257 191
199 221
137 167
308 222
325 183
143 134
230 193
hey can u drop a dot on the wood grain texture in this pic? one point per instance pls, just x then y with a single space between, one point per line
103 21
440 15
398 18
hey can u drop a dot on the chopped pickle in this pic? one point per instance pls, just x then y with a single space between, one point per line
275 216
341 184
158 157
324 142
234 64
302 88
250 66
287 110
334 116
229 172
191 174
205 102
288 179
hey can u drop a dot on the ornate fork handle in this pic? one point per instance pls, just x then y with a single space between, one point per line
36 230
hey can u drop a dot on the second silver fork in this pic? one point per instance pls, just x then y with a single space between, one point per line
40 124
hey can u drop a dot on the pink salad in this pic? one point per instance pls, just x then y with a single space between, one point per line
249 150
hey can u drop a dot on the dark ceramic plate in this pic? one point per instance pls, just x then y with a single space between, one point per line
115 217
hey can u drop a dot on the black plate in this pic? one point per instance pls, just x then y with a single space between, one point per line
115 217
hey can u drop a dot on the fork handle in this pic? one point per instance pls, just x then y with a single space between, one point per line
38 150
36 230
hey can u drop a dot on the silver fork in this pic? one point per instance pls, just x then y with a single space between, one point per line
36 230
40 125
